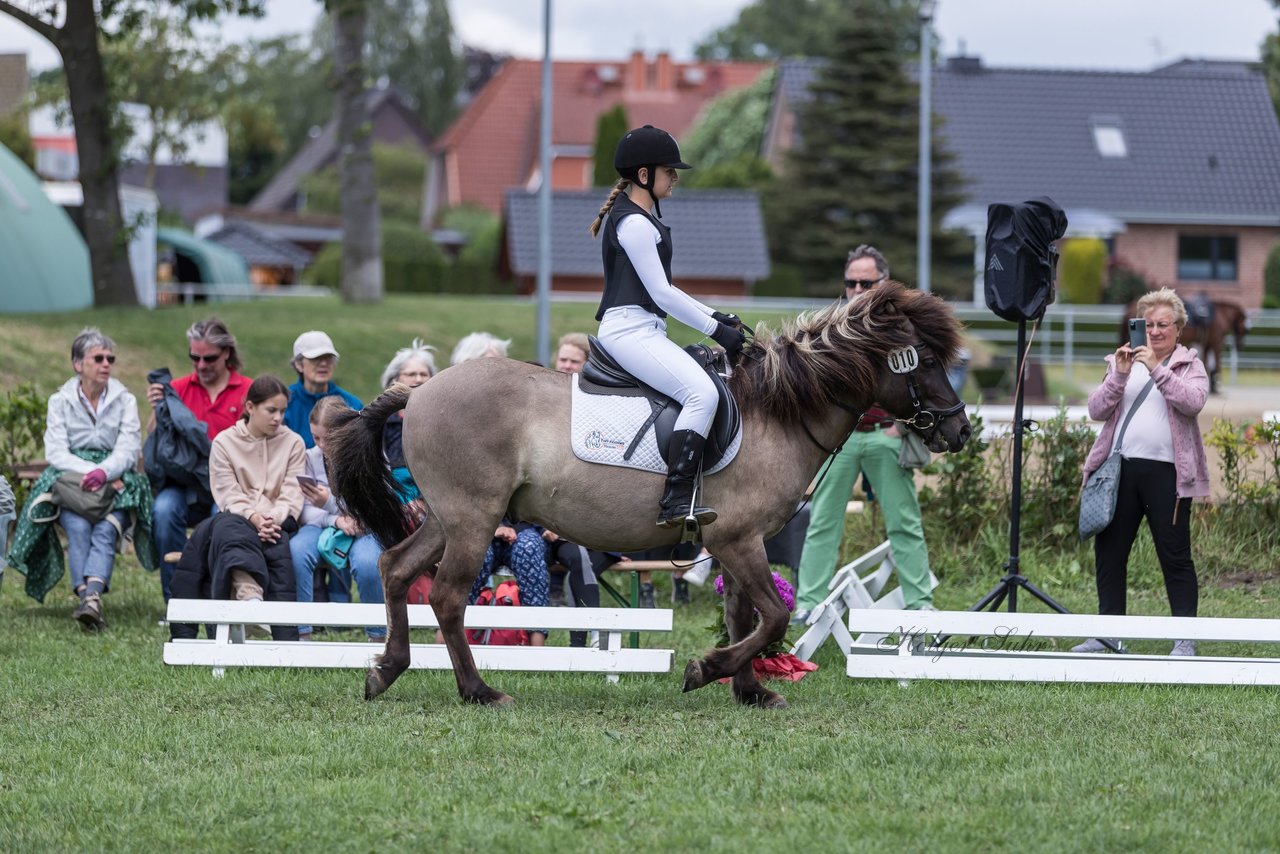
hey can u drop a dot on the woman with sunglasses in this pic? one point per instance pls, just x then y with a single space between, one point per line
92 430
1157 388
638 296
214 392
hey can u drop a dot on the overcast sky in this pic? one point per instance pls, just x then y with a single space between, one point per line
1118 34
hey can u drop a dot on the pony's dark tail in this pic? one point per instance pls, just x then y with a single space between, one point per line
358 470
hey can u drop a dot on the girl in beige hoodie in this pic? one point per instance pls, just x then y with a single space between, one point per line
253 473
254 466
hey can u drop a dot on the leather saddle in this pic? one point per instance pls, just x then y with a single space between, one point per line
604 376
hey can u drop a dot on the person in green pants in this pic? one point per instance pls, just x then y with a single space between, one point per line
873 449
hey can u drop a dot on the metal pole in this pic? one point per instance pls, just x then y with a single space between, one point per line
544 198
923 228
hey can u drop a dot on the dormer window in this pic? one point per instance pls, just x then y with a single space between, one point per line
1108 138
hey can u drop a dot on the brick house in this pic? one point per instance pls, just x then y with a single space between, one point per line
492 146
1177 168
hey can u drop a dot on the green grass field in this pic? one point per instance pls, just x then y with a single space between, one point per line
106 748
102 747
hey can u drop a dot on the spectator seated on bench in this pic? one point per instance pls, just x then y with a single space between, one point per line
244 548
328 536
519 546
92 438
176 461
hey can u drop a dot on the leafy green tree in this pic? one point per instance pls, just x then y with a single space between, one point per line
162 65
610 128
724 144
1271 279
255 143
77 30
15 136
398 172
411 45
773 29
1082 269
276 95
853 176
1271 67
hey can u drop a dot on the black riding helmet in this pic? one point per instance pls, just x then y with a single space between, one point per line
647 146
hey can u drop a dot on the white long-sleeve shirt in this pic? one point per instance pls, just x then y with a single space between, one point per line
639 238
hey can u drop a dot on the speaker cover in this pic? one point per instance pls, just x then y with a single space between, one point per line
1021 258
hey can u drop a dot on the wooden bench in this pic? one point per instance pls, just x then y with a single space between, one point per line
29 472
1028 647
229 648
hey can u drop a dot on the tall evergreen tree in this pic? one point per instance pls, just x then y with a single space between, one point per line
1271 62
610 127
853 177
774 29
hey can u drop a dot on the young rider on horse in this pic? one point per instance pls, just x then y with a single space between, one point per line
638 296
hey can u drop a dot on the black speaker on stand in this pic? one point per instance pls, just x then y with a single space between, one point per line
1021 264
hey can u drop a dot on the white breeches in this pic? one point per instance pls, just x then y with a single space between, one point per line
637 340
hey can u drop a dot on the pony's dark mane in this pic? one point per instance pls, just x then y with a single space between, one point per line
816 359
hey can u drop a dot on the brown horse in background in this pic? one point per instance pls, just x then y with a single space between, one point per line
491 437
1228 319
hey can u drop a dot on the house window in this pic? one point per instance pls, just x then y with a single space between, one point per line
1207 258
1109 140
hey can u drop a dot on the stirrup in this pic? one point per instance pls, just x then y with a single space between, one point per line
694 517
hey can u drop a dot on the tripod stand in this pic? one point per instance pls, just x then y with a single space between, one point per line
1013 577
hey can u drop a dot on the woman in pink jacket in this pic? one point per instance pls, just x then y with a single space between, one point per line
1162 465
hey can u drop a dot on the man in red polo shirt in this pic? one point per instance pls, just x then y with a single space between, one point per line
214 392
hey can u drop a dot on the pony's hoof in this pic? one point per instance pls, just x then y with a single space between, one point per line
373 684
493 699
761 698
694 677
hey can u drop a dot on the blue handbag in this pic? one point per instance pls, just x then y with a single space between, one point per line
334 546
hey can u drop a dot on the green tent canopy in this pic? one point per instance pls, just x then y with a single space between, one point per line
212 264
44 262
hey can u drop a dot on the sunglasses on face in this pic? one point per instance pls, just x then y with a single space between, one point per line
99 358
863 283
208 360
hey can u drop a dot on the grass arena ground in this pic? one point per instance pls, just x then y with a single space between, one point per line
104 748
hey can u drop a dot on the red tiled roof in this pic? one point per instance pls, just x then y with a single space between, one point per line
492 146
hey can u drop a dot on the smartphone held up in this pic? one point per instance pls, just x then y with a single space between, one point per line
1137 332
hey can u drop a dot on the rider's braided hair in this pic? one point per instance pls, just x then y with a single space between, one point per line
619 187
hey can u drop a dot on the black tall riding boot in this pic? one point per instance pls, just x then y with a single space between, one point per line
685 459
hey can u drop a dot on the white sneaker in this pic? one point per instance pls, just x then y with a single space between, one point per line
1094 645
1184 647
701 568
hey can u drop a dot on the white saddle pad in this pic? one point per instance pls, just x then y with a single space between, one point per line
602 427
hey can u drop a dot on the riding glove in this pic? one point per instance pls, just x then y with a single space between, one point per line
730 339
730 320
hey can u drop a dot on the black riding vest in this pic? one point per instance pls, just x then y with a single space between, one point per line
622 285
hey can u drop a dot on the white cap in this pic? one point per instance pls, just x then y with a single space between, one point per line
313 344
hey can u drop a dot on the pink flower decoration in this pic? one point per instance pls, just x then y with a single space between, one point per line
785 591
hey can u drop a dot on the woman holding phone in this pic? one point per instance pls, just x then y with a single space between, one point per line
1163 464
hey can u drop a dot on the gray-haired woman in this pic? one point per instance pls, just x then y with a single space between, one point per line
92 429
